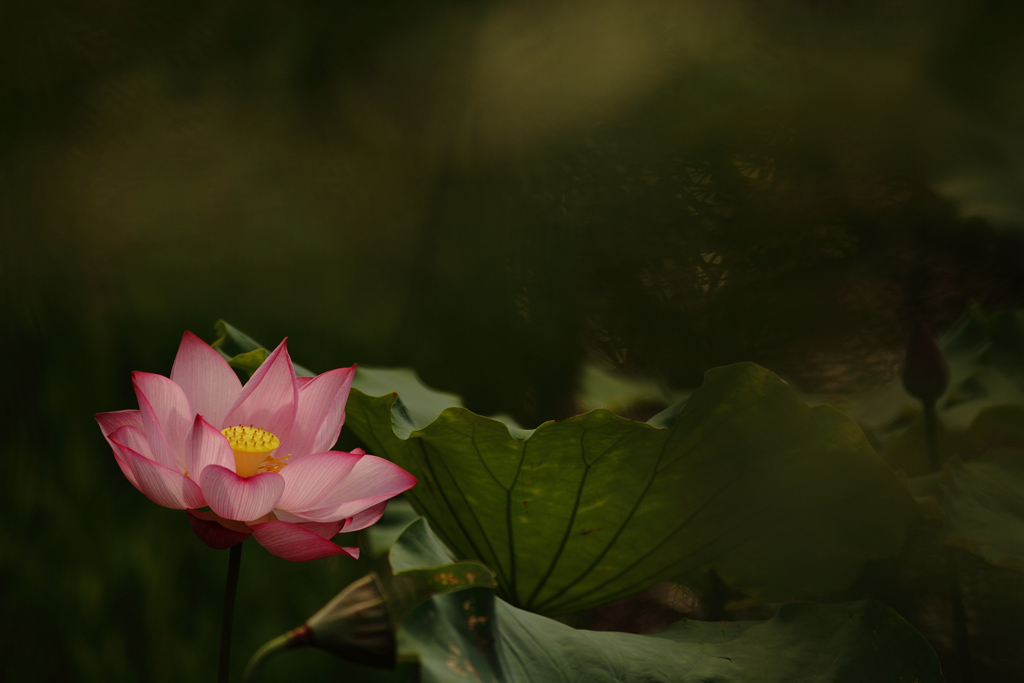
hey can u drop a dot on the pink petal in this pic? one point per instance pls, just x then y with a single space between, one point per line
269 398
211 529
132 437
295 543
126 468
166 417
366 518
161 485
329 431
320 413
297 518
240 498
310 480
207 380
371 481
206 446
326 530
111 422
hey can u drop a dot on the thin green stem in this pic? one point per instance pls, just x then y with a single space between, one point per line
234 562
715 598
931 435
956 595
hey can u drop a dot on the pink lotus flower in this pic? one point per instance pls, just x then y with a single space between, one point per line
256 455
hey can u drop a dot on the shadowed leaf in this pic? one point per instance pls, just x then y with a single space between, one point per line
420 555
473 636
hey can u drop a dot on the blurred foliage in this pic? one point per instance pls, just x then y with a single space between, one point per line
982 407
491 192
982 507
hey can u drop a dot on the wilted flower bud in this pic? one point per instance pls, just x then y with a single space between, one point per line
355 625
925 371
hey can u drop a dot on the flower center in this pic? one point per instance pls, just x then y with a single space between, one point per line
254 450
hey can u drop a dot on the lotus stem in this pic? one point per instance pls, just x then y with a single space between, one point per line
956 595
286 641
931 435
234 562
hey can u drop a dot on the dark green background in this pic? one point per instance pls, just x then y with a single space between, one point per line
490 192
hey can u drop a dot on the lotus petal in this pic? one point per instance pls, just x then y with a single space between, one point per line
240 498
166 417
215 531
269 398
312 479
206 446
371 481
162 485
320 413
367 517
326 530
207 380
297 543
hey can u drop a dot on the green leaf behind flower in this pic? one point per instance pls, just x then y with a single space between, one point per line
242 352
419 404
780 499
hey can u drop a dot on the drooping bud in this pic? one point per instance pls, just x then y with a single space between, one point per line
356 625
925 371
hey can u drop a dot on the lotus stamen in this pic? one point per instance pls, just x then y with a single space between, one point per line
253 448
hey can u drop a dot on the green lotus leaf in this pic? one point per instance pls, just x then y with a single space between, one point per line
248 362
421 403
381 536
242 352
419 554
474 636
780 499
